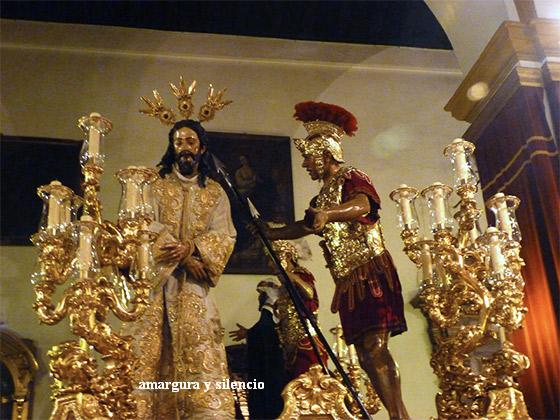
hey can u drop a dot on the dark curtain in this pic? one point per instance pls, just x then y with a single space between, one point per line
552 88
517 155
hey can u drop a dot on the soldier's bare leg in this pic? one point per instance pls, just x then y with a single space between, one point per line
383 372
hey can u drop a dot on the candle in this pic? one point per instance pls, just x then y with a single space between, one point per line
353 355
143 252
439 208
133 195
67 218
53 218
496 256
94 137
147 199
406 211
85 256
426 259
502 335
143 255
133 192
460 160
503 215
339 341
473 234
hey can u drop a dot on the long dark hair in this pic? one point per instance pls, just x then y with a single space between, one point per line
168 159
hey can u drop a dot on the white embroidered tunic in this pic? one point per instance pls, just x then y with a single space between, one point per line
180 338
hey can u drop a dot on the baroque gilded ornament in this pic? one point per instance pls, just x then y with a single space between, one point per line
81 259
183 94
471 292
315 394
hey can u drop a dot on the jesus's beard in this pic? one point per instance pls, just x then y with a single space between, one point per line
187 163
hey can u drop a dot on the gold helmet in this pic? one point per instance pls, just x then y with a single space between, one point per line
326 124
285 250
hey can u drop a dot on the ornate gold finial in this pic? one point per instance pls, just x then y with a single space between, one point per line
184 94
213 103
158 109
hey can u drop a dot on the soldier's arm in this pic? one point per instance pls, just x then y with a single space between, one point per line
349 210
293 231
305 288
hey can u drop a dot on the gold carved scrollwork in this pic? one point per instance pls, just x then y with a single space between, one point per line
507 404
314 394
465 312
78 407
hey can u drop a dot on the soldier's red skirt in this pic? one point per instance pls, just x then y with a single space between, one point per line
371 300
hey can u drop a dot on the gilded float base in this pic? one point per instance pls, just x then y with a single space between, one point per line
314 394
77 407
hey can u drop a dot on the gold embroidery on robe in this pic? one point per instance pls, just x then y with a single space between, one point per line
181 338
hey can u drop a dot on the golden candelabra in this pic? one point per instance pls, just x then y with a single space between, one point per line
98 268
471 293
348 358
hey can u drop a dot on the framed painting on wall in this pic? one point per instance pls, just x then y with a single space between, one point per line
261 169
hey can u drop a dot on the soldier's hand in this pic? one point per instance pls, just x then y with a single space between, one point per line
196 268
239 334
318 218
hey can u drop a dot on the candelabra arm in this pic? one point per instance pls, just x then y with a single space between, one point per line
458 269
462 238
139 304
410 237
48 315
471 280
53 268
114 231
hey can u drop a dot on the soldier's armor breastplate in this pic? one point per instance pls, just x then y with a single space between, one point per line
289 328
350 244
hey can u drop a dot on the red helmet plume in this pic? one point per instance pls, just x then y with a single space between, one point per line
320 111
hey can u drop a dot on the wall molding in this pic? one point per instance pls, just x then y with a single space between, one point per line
228 49
515 56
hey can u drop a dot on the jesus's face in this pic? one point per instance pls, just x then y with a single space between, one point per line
188 150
